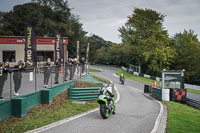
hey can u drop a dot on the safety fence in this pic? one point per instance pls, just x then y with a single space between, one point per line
193 103
194 87
18 106
25 80
141 74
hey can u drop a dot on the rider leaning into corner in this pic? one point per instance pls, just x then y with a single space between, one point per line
121 76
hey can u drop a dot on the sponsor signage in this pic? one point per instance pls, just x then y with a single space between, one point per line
30 46
21 40
58 47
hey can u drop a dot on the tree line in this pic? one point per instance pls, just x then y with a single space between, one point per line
145 41
48 16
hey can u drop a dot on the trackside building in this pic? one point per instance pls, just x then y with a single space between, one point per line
12 48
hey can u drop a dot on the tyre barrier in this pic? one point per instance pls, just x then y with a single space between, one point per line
147 88
193 103
83 94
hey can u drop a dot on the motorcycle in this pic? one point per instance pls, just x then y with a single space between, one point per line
107 103
122 79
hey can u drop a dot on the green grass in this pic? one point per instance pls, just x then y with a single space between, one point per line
137 78
41 116
104 66
182 118
194 91
94 70
100 79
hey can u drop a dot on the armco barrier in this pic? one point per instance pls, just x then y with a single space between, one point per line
83 94
5 109
157 93
18 106
193 103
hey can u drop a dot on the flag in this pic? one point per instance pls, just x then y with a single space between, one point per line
87 52
30 46
78 50
58 47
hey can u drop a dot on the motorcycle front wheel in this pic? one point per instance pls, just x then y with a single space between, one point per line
104 111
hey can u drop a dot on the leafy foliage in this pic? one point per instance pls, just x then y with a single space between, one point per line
187 55
151 44
46 16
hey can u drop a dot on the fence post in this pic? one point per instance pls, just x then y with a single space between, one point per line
80 70
36 78
10 85
51 75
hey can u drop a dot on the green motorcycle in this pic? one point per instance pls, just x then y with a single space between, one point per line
106 101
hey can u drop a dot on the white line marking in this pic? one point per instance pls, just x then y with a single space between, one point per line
38 130
159 117
115 75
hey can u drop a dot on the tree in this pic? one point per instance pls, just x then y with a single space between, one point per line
46 16
145 34
96 43
188 55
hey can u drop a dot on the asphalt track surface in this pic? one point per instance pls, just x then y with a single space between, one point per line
135 113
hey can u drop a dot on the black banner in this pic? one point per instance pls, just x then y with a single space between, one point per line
87 52
58 47
30 46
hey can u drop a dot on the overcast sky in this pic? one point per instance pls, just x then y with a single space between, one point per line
104 17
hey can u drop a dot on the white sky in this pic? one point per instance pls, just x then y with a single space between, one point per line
104 17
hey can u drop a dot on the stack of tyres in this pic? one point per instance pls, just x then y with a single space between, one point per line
146 88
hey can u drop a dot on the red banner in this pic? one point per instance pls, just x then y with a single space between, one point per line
21 40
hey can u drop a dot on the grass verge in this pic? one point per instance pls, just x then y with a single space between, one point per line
109 67
45 114
182 118
136 78
100 79
94 70
194 91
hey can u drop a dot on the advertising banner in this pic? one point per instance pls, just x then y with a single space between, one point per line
87 52
58 47
30 46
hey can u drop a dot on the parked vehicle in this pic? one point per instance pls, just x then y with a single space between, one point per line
106 101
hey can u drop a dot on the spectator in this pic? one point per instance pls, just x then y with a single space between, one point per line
76 69
71 69
57 70
67 68
4 69
47 71
82 63
17 77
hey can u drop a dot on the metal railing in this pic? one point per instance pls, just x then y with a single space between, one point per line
27 80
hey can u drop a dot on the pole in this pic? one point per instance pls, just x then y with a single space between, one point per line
36 78
163 78
10 85
51 75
